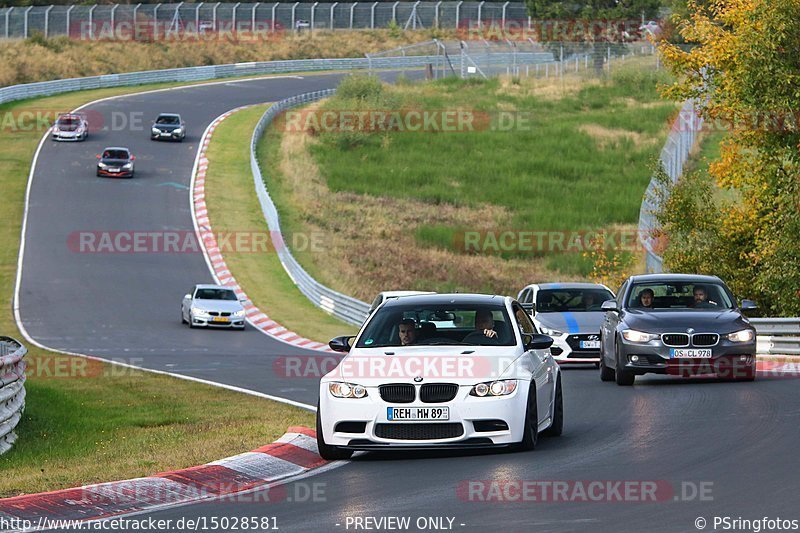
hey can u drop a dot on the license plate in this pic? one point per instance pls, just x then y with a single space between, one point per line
590 345
689 353
417 413
113 170
165 134
220 319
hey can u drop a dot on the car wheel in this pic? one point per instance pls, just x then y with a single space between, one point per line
530 437
329 453
623 377
606 374
183 319
557 427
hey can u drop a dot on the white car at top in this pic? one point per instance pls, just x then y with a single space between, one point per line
70 127
483 379
571 314
213 306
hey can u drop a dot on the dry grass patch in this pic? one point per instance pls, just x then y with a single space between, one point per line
606 137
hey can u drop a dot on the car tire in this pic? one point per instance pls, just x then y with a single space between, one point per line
530 436
557 426
606 374
623 377
329 453
183 320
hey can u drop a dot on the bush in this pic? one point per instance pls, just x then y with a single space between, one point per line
360 87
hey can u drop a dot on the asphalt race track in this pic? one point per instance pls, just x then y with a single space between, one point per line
728 449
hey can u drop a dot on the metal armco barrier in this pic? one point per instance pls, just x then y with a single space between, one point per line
153 21
12 390
339 305
779 336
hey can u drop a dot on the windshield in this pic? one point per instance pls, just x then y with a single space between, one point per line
433 325
115 154
572 300
682 295
168 120
68 122
215 294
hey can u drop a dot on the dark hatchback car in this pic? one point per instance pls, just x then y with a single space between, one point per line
168 127
678 324
116 162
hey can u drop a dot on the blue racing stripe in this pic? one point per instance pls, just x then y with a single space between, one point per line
572 324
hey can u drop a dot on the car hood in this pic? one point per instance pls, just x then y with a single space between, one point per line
166 127
225 306
371 367
713 320
67 127
118 162
580 322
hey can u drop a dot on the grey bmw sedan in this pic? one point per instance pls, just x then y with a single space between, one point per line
678 324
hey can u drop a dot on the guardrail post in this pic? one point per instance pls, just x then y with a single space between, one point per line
294 20
480 16
196 17
458 11
503 16
333 6
214 17
436 16
155 22
372 16
394 11
233 16
25 26
135 10
274 16
47 22
253 18
352 11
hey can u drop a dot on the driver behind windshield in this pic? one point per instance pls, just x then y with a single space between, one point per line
407 331
484 324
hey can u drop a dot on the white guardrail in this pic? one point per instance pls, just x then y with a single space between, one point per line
340 305
12 390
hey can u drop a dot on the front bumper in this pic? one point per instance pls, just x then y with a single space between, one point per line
67 136
734 360
365 419
120 174
166 136
209 322
566 349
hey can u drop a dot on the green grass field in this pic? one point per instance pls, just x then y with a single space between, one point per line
395 205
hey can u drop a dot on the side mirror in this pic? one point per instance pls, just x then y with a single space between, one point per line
536 341
748 305
97 156
609 305
187 296
341 344
133 158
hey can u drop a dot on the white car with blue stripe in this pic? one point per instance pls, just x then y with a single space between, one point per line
571 314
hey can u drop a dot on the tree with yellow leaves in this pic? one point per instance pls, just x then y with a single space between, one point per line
745 76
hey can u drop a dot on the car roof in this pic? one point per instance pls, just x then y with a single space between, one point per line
570 285
212 286
393 294
655 278
115 148
168 115
443 299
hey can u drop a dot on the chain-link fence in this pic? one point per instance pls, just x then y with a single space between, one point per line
525 58
154 20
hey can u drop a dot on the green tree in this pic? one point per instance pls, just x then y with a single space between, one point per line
745 75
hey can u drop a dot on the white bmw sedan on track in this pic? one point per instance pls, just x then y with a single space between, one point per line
481 378
214 306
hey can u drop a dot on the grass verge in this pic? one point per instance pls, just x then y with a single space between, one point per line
395 205
91 422
233 207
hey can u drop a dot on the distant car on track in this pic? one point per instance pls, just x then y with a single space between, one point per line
676 324
509 395
168 127
212 305
571 314
70 127
115 161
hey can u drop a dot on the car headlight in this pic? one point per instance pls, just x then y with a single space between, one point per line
241 312
631 335
346 390
102 165
745 335
199 312
155 130
177 130
501 387
551 332
127 166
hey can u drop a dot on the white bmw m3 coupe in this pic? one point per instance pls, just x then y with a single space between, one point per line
441 371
